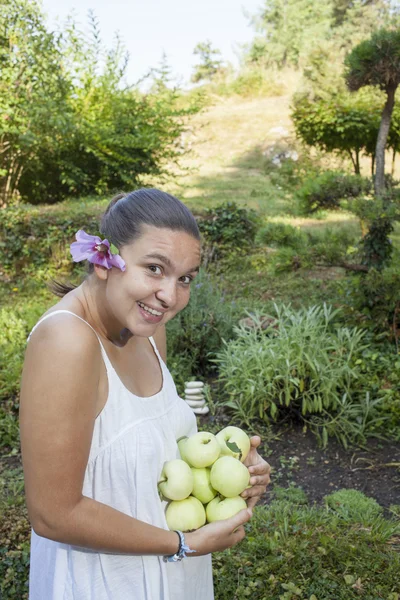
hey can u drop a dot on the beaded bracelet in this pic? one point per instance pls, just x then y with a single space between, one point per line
183 548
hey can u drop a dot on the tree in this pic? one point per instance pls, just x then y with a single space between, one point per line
376 62
339 123
288 29
210 63
33 91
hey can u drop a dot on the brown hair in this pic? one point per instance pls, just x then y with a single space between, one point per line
125 215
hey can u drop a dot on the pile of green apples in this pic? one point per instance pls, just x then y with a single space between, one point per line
205 484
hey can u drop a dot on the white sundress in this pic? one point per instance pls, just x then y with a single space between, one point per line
132 438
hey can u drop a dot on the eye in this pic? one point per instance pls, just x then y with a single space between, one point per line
155 269
186 279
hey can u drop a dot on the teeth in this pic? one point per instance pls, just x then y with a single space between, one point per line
149 310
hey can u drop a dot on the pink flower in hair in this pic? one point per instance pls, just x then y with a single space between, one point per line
97 251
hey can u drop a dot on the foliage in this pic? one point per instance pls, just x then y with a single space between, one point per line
302 366
372 300
353 506
309 553
328 189
33 91
38 239
227 228
287 30
341 122
210 62
15 324
375 61
378 215
280 234
195 335
73 127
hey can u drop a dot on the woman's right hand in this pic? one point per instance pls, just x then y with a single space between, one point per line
219 535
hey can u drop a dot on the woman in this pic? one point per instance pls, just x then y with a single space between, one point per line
100 415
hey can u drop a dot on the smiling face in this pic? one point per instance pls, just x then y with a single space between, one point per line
160 266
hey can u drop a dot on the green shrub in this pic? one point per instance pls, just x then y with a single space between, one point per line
328 189
36 240
372 300
301 365
226 229
15 325
332 245
354 506
195 335
280 234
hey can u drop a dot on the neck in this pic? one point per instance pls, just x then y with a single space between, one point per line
93 298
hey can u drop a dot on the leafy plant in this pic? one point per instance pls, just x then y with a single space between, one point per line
302 366
280 234
328 189
196 334
227 228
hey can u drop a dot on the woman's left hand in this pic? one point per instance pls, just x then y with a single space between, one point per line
259 473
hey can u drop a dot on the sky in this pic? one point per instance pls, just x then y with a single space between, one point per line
150 28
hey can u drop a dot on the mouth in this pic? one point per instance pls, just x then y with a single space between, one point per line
150 314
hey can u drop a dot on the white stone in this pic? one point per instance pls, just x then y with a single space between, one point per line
193 391
194 384
201 411
196 403
197 397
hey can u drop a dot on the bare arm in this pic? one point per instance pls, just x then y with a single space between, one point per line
57 418
57 414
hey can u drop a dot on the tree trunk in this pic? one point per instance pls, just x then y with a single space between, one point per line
372 165
381 141
357 162
353 161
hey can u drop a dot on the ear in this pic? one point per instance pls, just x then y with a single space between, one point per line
101 272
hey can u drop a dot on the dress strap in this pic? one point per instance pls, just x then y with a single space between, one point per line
57 312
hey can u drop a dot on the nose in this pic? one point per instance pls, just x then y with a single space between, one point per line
167 292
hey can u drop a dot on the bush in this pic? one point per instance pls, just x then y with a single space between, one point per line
196 334
328 189
332 245
354 506
280 234
372 300
34 240
15 325
227 229
302 366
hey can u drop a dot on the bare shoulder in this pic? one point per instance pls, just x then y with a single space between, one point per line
160 338
61 349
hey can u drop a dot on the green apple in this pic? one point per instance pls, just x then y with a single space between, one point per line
202 488
176 481
223 508
202 449
185 515
181 446
234 442
229 476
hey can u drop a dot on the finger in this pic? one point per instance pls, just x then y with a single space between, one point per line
260 479
255 441
251 502
261 468
239 519
257 490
